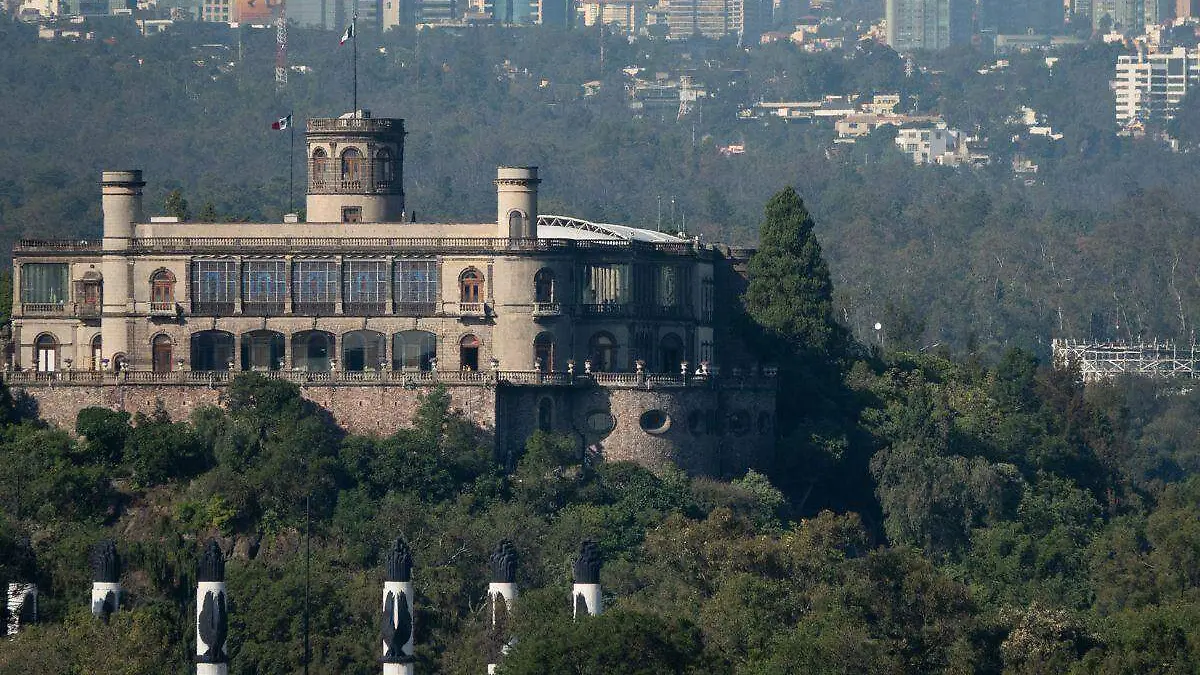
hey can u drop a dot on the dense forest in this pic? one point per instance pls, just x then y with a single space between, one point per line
921 514
1099 245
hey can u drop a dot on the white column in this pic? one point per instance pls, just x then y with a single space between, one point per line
22 606
100 591
398 589
219 605
591 598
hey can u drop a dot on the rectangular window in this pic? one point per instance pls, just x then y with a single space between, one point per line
605 288
365 286
264 282
44 284
351 214
214 286
416 286
314 287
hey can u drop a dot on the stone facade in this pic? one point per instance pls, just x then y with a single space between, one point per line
535 321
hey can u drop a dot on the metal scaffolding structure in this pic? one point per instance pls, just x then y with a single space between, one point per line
1099 361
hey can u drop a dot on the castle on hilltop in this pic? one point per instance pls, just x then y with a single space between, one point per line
615 335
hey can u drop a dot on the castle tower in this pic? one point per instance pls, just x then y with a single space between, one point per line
212 613
121 199
106 580
585 594
502 595
355 169
516 202
396 627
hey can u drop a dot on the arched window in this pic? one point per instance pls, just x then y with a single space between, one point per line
385 169
413 350
352 169
97 353
362 350
212 350
543 352
262 350
91 288
670 353
46 348
470 285
312 351
468 353
602 350
516 224
162 291
543 285
319 171
161 348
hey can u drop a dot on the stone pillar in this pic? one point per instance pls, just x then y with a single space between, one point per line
585 594
212 613
396 627
22 606
106 580
288 288
502 596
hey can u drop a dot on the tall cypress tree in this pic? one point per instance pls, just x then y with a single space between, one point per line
790 295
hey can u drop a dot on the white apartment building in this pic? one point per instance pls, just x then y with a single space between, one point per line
629 16
931 144
1149 87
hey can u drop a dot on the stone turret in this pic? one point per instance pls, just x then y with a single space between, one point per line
516 202
121 199
355 169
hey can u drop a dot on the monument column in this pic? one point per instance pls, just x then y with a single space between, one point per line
396 626
212 617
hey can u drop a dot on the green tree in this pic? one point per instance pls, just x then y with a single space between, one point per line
104 433
790 294
176 205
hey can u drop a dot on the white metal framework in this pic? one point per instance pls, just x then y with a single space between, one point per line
1104 360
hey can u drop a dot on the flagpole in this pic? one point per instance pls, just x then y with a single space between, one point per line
354 37
291 166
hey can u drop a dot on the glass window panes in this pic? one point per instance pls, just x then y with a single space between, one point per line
605 284
315 281
214 280
44 283
366 280
413 350
416 281
263 281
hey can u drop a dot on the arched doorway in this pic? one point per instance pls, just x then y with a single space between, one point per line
212 350
161 348
468 352
262 350
162 291
602 350
46 349
470 285
97 352
413 350
670 353
352 169
362 350
312 351
320 168
543 352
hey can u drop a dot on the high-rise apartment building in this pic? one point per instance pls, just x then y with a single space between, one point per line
1123 16
715 19
928 25
1149 87
1021 16
1187 9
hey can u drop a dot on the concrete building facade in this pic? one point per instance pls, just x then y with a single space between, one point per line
565 318
1150 86
928 25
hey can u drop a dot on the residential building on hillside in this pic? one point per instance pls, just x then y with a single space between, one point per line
715 19
1149 86
1127 17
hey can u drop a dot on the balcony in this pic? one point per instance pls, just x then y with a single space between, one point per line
407 308
478 309
314 308
88 310
273 308
613 309
201 308
378 308
547 309
167 309
43 308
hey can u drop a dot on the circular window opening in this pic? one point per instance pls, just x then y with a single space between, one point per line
654 422
600 422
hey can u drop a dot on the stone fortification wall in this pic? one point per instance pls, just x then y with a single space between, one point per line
360 409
